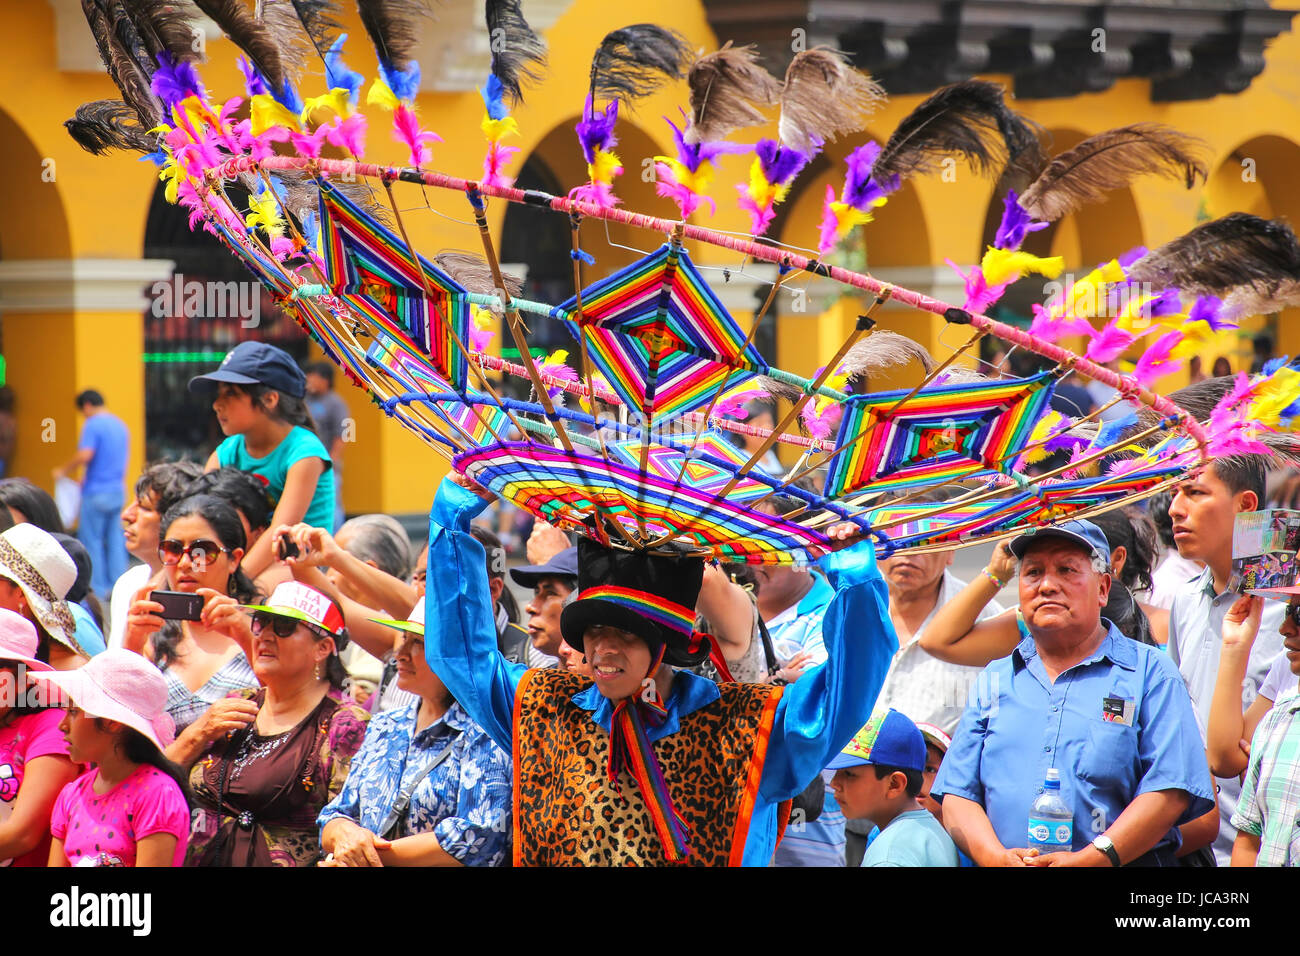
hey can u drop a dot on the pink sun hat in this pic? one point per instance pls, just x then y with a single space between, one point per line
18 641
119 685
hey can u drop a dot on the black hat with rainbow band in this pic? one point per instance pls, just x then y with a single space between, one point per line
650 595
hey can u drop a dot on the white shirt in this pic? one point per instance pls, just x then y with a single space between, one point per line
1195 644
119 602
1168 579
921 686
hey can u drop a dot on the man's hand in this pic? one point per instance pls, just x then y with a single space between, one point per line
1241 623
355 845
1016 857
545 542
1085 857
1003 563
794 668
469 484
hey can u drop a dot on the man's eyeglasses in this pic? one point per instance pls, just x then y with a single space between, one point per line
200 552
280 626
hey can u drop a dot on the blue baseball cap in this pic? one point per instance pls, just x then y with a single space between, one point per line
1084 533
889 739
563 565
256 363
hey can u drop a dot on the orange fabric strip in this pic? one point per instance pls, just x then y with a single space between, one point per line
750 795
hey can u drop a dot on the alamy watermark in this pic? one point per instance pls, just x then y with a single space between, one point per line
208 299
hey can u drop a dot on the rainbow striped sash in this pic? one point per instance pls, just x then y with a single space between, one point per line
630 748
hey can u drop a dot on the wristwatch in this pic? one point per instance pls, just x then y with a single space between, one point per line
1104 844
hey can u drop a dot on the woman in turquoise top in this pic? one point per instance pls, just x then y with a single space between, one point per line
258 397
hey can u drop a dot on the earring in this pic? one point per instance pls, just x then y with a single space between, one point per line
318 671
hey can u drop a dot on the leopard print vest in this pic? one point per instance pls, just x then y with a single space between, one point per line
568 813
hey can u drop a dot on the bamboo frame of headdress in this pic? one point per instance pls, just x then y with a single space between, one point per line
1128 387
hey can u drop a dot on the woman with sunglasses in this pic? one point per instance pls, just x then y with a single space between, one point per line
203 661
259 788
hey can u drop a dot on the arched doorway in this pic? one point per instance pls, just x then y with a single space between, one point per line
210 305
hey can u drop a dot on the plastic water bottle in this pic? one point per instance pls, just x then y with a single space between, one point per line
1051 821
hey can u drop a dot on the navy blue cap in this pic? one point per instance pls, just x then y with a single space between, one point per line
563 565
1083 532
256 363
889 739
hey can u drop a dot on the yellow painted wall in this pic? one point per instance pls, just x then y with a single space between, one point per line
96 207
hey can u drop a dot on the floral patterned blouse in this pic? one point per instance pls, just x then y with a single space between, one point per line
257 797
465 800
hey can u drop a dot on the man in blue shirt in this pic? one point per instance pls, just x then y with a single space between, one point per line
1112 715
102 449
565 811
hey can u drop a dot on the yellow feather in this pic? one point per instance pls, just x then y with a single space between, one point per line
1006 265
266 112
380 95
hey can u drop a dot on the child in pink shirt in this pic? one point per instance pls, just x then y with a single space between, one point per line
103 829
130 810
34 764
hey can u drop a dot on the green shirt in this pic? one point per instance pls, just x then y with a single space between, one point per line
300 443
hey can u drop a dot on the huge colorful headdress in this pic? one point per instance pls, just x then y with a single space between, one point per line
634 442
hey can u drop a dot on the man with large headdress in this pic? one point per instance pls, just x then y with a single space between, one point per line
647 764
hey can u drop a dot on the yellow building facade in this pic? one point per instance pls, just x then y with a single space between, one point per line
75 284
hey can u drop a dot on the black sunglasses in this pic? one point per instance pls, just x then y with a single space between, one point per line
281 626
1293 613
200 551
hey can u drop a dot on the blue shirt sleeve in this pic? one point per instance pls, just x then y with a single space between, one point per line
1170 751
821 711
460 637
478 835
91 433
959 773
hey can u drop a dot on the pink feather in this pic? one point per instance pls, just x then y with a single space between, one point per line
349 133
556 370
406 130
732 404
1109 344
598 194
687 199
1155 361
308 144
494 161
1051 328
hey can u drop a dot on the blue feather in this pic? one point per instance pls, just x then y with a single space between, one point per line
493 94
1110 432
338 74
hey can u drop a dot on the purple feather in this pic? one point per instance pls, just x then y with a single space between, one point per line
1132 256
1016 223
1166 303
1208 309
174 81
1062 441
691 155
860 190
596 128
780 163
254 83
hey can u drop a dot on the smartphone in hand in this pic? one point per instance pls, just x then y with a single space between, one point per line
286 547
178 605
